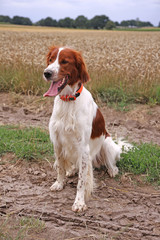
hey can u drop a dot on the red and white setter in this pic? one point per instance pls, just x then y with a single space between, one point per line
77 127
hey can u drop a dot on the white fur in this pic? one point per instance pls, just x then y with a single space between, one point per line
54 67
124 146
70 129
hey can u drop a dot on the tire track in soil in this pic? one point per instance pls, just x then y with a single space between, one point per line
116 210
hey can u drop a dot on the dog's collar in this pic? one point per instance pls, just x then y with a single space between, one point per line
68 98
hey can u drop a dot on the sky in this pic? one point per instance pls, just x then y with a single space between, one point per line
116 10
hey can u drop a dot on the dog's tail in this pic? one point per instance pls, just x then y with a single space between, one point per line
124 145
110 153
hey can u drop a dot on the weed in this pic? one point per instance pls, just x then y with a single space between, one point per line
116 97
27 143
17 228
142 159
157 94
31 223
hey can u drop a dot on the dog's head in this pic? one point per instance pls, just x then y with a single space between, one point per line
65 67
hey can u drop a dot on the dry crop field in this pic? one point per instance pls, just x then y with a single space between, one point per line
123 66
128 60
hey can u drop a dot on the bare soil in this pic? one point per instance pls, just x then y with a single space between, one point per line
125 208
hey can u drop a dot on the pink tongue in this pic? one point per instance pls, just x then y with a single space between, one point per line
53 90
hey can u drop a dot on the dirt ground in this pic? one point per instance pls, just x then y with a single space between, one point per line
119 209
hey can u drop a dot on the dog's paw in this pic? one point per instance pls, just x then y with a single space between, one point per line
113 171
57 186
79 207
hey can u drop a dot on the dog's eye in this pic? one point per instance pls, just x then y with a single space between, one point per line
64 62
50 60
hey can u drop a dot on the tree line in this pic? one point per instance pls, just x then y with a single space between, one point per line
81 22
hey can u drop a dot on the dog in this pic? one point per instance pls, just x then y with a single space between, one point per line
76 127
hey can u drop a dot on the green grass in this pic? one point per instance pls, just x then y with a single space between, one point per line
25 143
34 144
5 23
120 99
145 29
14 228
142 159
116 98
31 223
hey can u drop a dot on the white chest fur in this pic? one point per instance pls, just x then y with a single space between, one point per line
70 127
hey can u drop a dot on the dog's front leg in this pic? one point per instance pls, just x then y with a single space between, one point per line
79 203
59 183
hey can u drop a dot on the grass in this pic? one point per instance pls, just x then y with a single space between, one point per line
34 143
116 98
114 86
112 89
25 143
18 228
122 100
143 29
142 159
32 223
22 78
117 93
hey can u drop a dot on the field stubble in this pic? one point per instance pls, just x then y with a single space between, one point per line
123 60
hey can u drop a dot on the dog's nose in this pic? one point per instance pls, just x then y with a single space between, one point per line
48 74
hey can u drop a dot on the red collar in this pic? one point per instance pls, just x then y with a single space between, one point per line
68 98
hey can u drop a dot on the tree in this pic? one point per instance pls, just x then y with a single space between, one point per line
40 22
66 23
138 24
148 24
117 24
124 24
47 22
132 23
159 25
50 22
110 25
5 19
135 23
21 20
99 21
81 22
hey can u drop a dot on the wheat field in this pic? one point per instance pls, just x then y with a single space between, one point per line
114 58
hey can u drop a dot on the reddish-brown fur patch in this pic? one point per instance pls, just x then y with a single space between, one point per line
52 54
74 65
98 126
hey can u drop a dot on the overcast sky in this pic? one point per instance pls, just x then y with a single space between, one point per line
116 10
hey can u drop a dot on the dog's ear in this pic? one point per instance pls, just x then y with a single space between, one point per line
82 70
51 49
